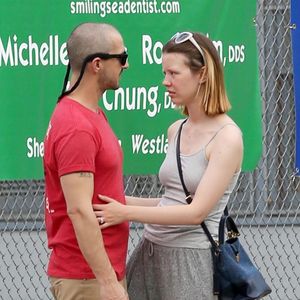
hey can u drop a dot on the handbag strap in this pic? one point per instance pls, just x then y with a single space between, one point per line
188 198
187 193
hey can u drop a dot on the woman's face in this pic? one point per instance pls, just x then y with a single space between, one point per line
179 81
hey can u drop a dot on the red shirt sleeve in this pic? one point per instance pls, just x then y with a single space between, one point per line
76 152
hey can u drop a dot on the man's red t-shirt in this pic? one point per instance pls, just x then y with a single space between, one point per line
79 139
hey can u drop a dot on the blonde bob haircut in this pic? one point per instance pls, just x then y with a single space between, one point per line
214 100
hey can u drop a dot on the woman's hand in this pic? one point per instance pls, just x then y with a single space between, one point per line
109 214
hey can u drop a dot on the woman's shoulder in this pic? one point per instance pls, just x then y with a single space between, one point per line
227 143
227 133
227 125
228 136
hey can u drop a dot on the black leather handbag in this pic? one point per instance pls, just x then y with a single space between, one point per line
235 276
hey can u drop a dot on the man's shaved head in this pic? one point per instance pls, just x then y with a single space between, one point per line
89 38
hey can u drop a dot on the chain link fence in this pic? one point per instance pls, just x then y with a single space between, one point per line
265 203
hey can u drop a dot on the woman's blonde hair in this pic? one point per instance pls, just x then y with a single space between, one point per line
215 100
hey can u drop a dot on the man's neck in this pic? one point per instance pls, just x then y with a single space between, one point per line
87 92
90 101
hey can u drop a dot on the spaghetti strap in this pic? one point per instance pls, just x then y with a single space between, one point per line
218 132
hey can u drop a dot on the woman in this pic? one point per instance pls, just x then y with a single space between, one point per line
173 260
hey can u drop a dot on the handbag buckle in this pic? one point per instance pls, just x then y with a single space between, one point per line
232 234
217 249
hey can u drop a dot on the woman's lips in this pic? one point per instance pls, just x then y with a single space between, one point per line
171 93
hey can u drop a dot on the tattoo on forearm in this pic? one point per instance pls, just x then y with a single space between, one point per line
85 174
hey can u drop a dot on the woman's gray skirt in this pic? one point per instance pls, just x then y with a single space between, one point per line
157 272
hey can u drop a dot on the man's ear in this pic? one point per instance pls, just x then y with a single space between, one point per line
97 65
203 74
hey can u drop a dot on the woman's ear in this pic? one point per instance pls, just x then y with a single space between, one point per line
203 74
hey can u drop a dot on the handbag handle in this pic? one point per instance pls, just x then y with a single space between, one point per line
231 227
187 193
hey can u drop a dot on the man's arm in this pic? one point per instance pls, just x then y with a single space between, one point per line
78 191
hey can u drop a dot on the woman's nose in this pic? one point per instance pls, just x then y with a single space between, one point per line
166 82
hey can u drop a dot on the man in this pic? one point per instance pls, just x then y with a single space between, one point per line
83 159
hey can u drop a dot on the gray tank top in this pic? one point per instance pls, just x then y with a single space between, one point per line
193 168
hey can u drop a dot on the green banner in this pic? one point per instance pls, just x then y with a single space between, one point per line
33 61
